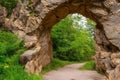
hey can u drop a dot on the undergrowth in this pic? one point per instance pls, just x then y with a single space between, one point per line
89 65
55 64
10 50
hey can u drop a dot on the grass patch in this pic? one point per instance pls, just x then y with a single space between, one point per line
90 65
10 50
11 69
55 64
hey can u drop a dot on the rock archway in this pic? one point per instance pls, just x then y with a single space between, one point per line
33 21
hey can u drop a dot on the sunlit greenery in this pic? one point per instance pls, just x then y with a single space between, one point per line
89 65
8 43
10 50
72 41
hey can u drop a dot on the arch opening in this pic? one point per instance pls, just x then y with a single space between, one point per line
48 12
73 38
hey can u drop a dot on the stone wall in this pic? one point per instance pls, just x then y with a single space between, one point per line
33 21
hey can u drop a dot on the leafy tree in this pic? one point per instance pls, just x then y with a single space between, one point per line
72 41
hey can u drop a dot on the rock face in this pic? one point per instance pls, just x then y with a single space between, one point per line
32 21
2 15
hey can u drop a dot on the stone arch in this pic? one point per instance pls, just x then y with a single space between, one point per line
33 23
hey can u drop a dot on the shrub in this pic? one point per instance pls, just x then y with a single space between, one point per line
73 43
8 43
10 50
16 72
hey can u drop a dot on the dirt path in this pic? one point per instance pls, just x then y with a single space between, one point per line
71 72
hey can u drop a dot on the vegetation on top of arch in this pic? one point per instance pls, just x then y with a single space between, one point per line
9 5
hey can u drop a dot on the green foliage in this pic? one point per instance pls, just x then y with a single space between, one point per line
73 43
10 50
90 27
9 4
55 64
17 73
90 65
8 43
12 70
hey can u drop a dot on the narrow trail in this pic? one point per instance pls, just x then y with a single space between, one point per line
72 72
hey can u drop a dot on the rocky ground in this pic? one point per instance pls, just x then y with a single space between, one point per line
72 72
